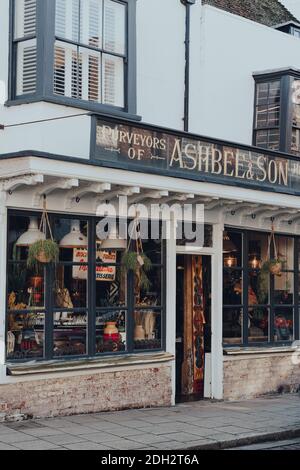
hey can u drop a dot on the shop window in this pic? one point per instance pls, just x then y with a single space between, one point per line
92 49
267 303
86 303
148 300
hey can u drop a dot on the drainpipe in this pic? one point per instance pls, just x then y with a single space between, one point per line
188 4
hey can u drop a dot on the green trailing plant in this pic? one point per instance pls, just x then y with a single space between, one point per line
42 252
273 266
138 263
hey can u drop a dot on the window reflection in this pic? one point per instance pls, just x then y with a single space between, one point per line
232 288
232 325
111 331
25 335
258 324
232 249
283 324
70 333
147 329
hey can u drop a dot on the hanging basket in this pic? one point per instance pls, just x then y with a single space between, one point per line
136 260
43 251
273 265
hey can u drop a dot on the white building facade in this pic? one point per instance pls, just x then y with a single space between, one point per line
166 102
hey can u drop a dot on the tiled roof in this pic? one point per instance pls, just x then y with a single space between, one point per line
268 12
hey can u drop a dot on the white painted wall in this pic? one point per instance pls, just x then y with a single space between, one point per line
161 61
232 48
293 6
225 51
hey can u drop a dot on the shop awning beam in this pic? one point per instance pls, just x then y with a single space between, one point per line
15 183
64 184
77 195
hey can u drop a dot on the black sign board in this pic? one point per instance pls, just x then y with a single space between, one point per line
158 151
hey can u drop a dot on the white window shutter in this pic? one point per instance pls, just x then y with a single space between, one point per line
114 27
67 19
25 18
113 80
91 23
26 67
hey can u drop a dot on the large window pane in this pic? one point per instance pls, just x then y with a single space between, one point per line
258 324
25 18
147 329
25 287
114 27
70 289
70 333
284 289
111 331
149 291
258 249
232 249
111 286
283 324
25 335
233 288
285 248
296 102
26 67
91 22
71 234
232 325
259 288
113 80
67 19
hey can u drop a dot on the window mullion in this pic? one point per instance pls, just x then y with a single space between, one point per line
46 49
245 285
91 287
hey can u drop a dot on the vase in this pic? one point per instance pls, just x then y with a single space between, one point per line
111 332
139 333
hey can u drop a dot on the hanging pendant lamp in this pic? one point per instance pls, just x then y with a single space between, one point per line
74 239
113 242
32 235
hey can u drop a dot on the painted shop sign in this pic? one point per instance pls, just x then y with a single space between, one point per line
160 152
105 272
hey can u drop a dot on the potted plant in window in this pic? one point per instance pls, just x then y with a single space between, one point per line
273 265
43 251
134 259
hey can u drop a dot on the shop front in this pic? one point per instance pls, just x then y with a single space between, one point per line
212 320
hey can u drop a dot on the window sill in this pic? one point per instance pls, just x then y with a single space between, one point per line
87 364
70 102
257 350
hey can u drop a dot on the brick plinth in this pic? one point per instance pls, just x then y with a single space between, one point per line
101 391
250 376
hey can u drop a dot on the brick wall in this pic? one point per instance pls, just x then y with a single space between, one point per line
101 391
249 376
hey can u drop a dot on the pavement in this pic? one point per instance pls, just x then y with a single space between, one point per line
290 444
195 426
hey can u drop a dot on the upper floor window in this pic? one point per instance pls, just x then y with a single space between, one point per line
277 111
78 52
267 115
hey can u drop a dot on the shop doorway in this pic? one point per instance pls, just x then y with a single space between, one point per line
193 325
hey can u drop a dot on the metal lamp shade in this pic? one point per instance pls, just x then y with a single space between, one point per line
113 242
32 235
74 239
